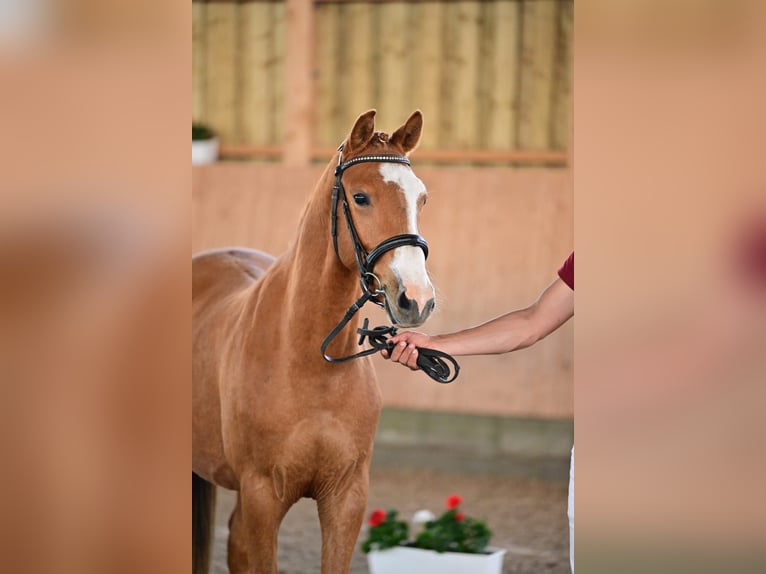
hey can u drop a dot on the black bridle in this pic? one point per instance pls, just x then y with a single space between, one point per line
365 261
434 362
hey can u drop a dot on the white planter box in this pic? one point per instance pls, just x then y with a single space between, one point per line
204 151
404 560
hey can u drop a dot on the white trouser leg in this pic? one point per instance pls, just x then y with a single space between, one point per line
570 512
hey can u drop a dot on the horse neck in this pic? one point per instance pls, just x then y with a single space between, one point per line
319 287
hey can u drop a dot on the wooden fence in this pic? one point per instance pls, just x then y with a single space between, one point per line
493 78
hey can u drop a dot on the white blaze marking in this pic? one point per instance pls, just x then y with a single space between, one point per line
411 187
409 262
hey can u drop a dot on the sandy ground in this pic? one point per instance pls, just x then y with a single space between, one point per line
527 516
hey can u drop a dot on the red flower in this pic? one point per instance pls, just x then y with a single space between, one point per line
377 516
459 516
453 501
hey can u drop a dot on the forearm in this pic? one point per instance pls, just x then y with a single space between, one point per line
515 330
509 332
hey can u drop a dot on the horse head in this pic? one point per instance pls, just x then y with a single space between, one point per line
385 200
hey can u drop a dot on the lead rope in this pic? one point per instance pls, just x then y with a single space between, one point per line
435 364
440 366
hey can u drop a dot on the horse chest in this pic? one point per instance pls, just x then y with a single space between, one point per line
311 440
312 456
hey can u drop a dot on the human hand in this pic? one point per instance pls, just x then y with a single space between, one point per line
406 345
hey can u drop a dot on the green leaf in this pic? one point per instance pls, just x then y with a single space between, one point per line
201 132
448 535
388 534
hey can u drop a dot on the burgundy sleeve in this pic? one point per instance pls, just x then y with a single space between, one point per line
751 258
566 271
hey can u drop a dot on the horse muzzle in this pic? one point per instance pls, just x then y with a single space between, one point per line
410 308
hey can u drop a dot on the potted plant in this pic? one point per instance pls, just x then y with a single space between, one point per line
204 144
451 544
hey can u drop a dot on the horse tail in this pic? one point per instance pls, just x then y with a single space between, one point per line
203 512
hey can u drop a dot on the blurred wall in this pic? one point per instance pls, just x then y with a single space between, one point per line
497 237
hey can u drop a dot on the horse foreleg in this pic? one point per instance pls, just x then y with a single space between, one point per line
237 546
341 515
254 527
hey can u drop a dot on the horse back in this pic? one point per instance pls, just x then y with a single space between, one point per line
223 271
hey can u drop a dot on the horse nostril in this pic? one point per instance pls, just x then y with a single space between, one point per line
429 306
404 302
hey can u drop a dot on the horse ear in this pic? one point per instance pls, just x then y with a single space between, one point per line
362 132
408 136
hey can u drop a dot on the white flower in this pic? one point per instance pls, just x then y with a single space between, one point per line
422 516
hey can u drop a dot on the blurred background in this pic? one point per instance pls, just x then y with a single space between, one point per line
671 324
279 84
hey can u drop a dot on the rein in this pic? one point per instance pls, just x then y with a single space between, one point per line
435 364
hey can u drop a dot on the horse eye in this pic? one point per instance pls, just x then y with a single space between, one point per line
361 199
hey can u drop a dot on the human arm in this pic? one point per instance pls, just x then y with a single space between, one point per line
509 332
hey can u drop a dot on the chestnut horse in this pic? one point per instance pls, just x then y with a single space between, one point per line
272 419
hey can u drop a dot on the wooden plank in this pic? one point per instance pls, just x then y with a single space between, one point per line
537 57
394 55
344 77
562 92
299 96
279 75
358 45
504 72
258 76
486 80
199 69
221 69
328 29
426 60
376 57
465 70
239 75
450 30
